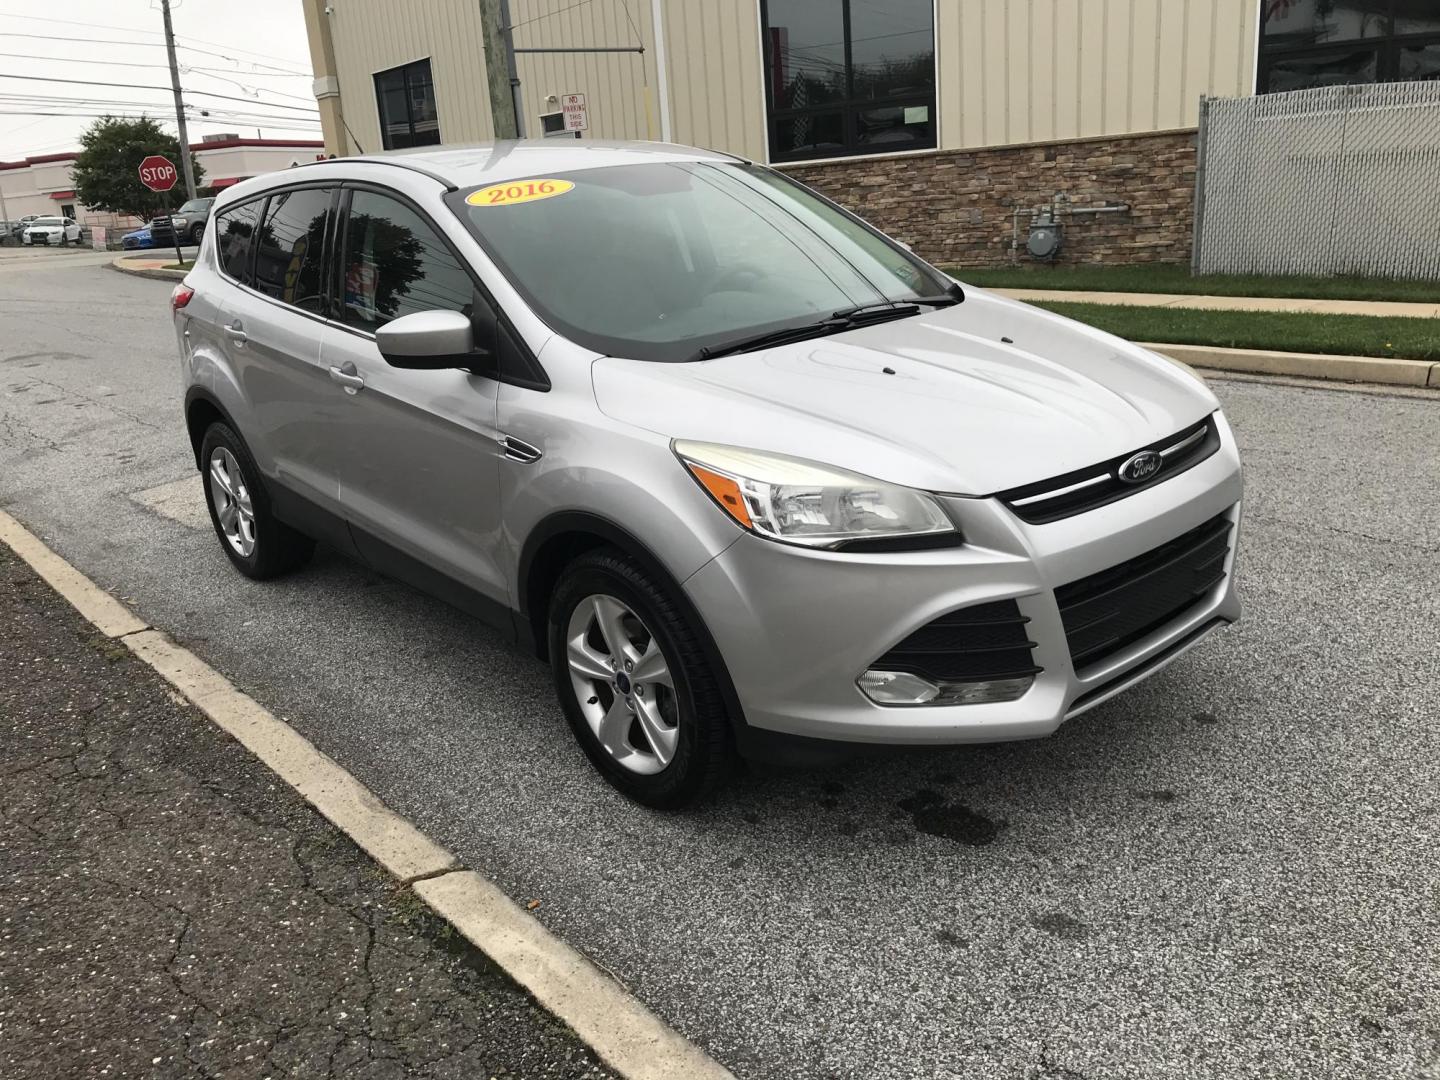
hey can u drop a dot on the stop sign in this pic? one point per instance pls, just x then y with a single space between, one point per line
157 173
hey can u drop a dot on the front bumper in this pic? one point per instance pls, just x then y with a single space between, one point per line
797 627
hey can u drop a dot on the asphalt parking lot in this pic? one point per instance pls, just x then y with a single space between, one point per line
1230 871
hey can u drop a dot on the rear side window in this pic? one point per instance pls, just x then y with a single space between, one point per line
395 264
234 239
289 260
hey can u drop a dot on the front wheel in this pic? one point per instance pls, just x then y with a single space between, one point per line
634 683
196 234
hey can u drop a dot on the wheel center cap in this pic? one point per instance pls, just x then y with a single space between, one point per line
622 683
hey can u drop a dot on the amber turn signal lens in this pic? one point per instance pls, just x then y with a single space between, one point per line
724 491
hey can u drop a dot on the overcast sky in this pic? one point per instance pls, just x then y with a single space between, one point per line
258 44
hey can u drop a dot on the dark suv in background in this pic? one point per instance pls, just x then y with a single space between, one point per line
188 222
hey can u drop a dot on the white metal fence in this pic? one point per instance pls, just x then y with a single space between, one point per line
1338 180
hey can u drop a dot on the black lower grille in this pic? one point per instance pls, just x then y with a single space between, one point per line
974 644
1105 612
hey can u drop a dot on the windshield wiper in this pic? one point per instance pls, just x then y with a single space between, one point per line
953 295
774 337
844 319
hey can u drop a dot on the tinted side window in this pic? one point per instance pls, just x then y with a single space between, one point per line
234 236
395 264
289 262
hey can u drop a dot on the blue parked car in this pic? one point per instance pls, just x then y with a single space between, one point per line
139 238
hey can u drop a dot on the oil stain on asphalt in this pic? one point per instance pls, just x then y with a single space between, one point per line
935 815
1058 924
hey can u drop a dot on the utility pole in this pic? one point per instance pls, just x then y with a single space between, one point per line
500 75
179 103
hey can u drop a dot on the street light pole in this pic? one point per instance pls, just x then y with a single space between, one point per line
189 170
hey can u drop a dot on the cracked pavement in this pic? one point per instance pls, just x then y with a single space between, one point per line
171 909
1230 872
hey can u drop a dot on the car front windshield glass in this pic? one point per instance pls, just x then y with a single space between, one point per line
194 206
655 261
46 221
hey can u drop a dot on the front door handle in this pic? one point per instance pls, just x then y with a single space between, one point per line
348 376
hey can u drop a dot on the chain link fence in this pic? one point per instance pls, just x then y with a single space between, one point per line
1337 180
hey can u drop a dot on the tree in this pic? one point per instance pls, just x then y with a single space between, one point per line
107 171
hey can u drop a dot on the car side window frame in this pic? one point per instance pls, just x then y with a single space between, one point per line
326 256
263 201
524 372
325 244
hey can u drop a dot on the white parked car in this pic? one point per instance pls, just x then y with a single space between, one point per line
52 230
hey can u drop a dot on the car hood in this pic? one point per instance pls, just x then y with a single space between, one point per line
977 398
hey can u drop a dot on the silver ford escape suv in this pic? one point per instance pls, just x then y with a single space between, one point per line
751 476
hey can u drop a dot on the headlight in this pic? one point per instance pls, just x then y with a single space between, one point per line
802 502
177 222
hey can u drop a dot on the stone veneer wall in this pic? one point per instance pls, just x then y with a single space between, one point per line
955 207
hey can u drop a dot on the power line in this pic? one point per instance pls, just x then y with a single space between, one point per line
243 52
240 121
208 73
146 86
158 45
58 100
137 30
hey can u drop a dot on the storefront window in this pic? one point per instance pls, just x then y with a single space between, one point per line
406 99
849 76
1308 43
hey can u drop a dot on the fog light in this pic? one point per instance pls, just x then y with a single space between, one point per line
898 688
906 688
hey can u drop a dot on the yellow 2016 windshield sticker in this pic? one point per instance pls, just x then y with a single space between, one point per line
518 191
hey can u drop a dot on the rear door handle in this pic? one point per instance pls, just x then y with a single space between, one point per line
348 376
236 332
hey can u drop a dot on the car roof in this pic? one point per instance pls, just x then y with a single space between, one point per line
487 163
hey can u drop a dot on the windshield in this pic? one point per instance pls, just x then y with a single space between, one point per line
655 261
194 206
46 221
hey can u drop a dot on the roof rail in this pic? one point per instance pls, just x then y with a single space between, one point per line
371 159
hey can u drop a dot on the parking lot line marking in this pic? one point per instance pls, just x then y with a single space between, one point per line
626 1035
112 618
181 500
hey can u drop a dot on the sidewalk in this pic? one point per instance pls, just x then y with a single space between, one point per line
169 909
151 264
1383 309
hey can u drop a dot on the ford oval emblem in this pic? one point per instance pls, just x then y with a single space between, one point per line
1140 467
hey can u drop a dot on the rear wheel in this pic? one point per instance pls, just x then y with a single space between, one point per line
257 543
636 688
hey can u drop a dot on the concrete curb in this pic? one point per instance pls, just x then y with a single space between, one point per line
626 1035
145 271
1363 369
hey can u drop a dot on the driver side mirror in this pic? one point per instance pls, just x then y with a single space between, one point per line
432 341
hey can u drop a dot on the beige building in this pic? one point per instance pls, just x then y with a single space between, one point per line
949 122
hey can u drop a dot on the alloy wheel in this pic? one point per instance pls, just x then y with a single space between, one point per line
623 684
233 508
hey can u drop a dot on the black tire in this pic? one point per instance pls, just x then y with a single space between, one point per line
278 548
704 752
196 233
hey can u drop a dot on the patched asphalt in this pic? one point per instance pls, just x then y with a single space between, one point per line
168 908
1230 871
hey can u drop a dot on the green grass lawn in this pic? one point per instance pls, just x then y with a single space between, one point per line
1349 335
1170 278
178 266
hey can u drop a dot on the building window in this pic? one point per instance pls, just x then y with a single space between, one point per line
1308 43
406 97
849 76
